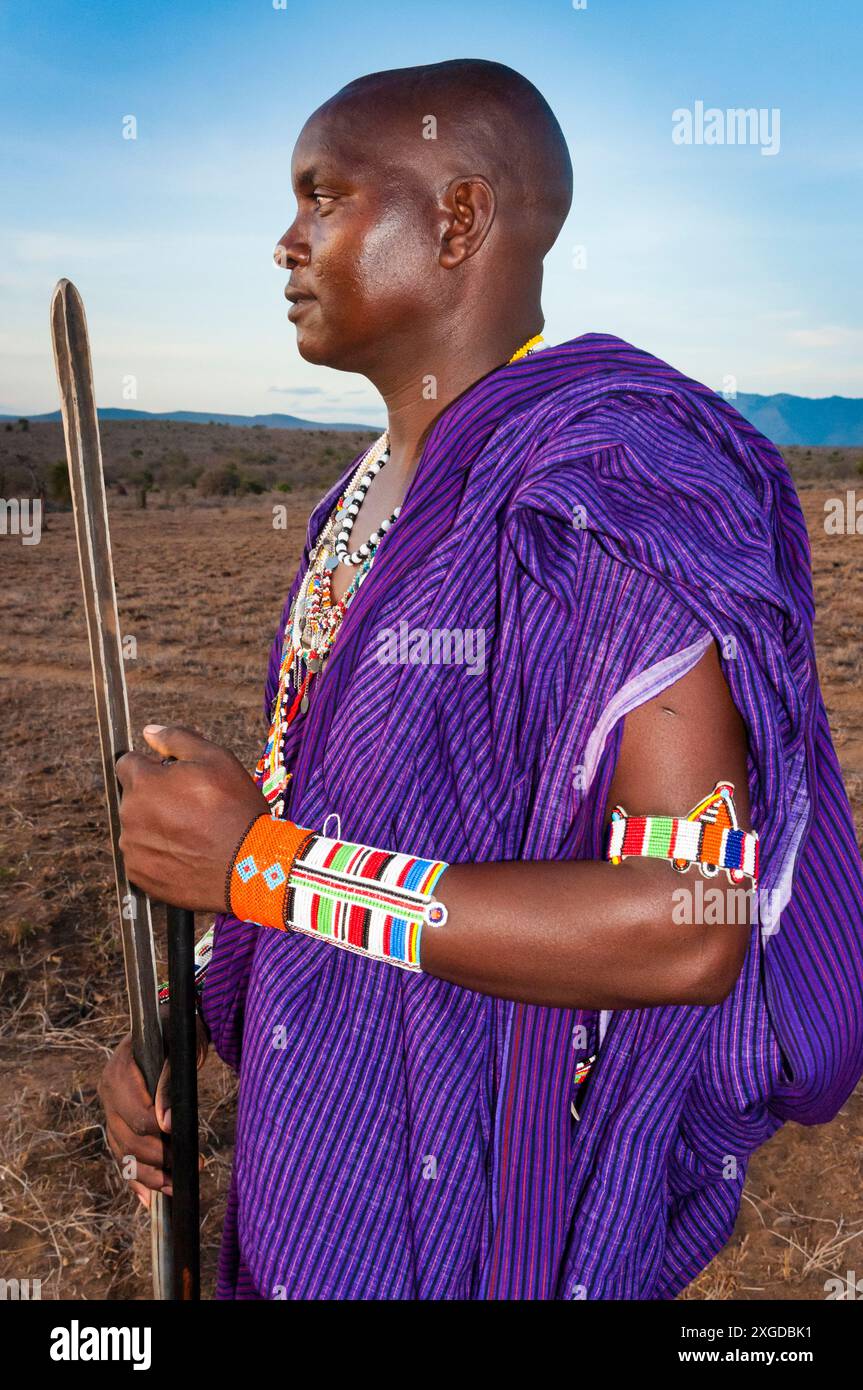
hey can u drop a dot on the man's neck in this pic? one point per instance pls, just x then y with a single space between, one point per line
416 397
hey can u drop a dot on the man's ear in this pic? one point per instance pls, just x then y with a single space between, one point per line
469 207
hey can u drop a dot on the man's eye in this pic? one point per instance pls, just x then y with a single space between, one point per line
321 198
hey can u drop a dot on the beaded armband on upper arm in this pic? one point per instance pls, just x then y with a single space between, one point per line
708 836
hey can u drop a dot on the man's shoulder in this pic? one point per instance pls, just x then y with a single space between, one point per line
601 367
603 390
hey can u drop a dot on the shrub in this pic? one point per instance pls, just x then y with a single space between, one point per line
59 487
224 480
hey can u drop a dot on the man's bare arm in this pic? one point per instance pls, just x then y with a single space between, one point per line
570 934
598 935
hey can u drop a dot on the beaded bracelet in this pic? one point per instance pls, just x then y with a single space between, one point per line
203 952
374 902
709 837
258 873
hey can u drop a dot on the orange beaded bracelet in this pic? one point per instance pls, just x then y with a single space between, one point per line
259 872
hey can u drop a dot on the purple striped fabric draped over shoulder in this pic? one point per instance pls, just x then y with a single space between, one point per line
599 519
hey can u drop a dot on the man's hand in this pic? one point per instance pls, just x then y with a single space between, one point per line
181 821
134 1123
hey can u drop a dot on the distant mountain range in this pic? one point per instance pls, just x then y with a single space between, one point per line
830 420
202 417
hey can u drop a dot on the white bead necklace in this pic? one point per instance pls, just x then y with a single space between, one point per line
352 506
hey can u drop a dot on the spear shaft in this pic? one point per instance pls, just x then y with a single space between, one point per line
83 450
183 1047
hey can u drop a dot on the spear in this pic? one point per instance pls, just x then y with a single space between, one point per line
174 1243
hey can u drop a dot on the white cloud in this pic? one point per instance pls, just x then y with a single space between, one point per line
827 336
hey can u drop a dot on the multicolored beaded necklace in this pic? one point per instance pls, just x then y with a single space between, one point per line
314 618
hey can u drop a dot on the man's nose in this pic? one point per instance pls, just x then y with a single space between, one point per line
291 251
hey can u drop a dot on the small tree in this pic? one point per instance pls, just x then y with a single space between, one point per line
143 480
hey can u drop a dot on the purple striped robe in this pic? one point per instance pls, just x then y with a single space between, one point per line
603 519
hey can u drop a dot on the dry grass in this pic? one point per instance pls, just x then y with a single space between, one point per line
201 589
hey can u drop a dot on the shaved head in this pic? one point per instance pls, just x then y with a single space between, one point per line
427 199
488 120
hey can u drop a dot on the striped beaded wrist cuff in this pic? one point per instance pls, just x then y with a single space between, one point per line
371 901
709 836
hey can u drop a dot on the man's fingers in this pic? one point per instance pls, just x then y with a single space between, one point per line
162 1100
124 1075
145 1194
124 1095
131 767
176 741
126 1145
156 1179
133 1170
123 1141
140 1121
135 1162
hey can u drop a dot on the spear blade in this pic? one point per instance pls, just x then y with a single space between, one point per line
84 455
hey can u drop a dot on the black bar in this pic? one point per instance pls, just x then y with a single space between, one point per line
212 1341
182 1050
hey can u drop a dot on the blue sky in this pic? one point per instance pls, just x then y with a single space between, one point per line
736 266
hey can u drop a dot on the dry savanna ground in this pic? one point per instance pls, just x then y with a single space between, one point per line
201 578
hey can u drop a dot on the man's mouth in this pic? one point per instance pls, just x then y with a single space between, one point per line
298 301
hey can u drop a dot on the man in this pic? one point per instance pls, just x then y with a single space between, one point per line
634 556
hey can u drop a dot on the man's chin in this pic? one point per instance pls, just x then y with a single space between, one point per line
322 351
311 351
311 344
